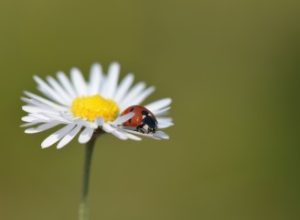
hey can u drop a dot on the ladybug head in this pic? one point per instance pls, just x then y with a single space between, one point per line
145 113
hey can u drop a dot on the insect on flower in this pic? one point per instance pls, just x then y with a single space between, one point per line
142 121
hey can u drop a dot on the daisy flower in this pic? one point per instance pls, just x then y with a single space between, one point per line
80 107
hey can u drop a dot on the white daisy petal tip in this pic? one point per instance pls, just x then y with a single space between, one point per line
58 135
85 135
27 118
75 70
170 99
163 111
29 131
36 78
96 69
96 66
124 86
159 104
109 88
83 140
165 125
45 144
69 137
63 143
161 135
115 64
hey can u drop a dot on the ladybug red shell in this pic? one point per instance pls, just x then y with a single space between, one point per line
143 120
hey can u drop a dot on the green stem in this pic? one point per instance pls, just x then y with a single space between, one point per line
84 213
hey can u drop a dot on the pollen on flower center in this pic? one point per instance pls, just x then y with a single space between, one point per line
91 107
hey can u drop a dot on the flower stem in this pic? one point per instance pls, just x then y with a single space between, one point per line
84 213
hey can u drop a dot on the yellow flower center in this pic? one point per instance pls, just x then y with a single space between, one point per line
91 107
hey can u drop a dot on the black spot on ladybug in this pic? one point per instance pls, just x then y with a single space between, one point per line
129 120
131 109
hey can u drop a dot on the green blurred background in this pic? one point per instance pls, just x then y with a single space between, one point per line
232 69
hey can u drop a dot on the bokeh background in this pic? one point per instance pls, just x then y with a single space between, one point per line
232 69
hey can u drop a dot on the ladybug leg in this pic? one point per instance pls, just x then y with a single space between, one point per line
140 128
152 130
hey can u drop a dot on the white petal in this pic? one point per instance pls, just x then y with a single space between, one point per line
158 135
53 138
138 88
63 118
41 128
119 134
141 97
48 91
157 105
164 119
28 119
66 84
85 123
96 77
34 109
107 128
55 85
30 124
150 135
45 101
36 122
161 135
162 111
78 82
44 114
66 139
123 118
165 124
100 122
109 88
27 100
133 137
123 87
86 135
38 104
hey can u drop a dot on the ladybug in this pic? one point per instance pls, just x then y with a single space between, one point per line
142 121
